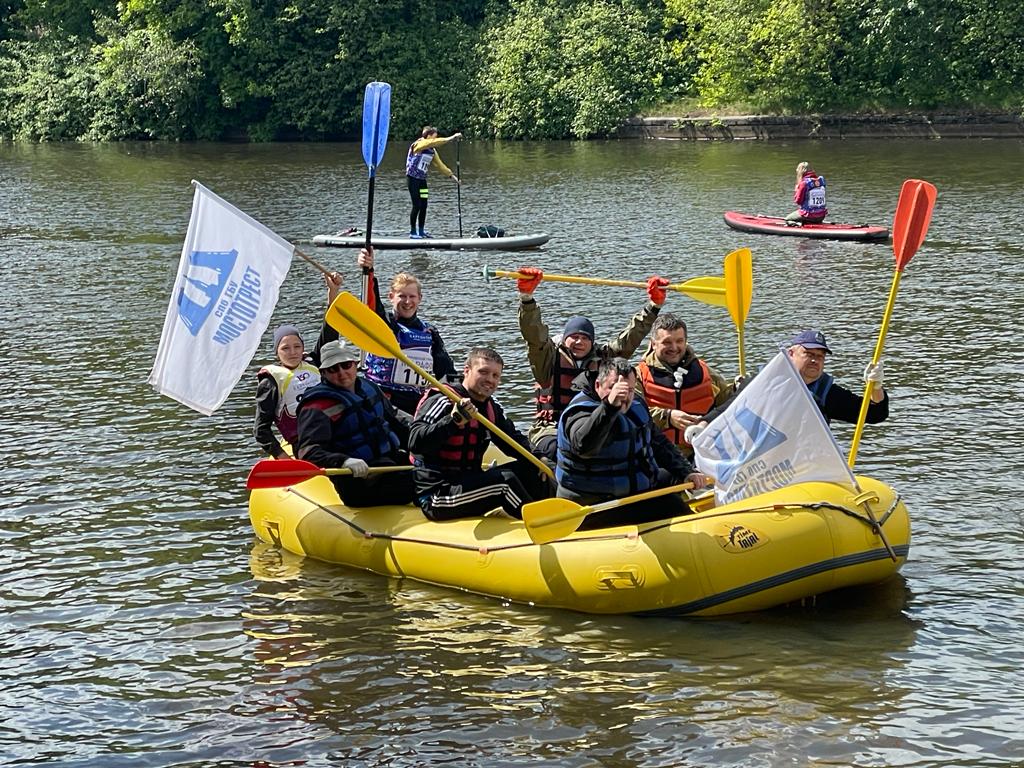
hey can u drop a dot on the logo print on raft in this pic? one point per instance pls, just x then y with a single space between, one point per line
207 291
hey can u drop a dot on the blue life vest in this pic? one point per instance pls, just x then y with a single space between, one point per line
819 391
359 427
417 163
623 467
391 373
814 200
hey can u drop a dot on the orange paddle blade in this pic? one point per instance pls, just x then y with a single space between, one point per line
913 215
278 473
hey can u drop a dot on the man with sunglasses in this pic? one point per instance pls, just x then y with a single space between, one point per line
609 448
346 421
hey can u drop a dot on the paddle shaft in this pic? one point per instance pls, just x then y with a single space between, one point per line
458 184
314 262
584 512
680 287
390 345
331 471
369 229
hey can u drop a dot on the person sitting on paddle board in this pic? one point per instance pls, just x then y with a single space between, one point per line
807 350
678 386
809 196
556 362
346 421
448 447
420 340
279 385
422 154
609 448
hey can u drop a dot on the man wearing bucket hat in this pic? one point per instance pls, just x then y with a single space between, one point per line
346 421
807 350
557 361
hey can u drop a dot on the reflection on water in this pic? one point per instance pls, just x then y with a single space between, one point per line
141 626
675 692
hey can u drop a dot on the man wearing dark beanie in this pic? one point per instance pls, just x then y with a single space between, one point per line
557 361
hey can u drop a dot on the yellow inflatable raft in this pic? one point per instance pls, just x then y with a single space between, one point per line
761 552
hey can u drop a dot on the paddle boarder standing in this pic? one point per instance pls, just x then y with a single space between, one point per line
422 154
809 196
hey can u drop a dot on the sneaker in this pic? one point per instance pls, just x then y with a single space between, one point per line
424 234
415 236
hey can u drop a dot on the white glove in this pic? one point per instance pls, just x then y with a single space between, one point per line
692 432
873 372
358 467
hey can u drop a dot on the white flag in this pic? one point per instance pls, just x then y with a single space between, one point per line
229 277
770 436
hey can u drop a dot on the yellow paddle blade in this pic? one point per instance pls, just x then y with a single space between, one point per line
739 284
550 519
708 290
362 326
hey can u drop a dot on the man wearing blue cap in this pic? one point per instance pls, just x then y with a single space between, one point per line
557 361
807 350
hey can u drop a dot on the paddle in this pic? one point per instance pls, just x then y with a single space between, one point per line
458 187
709 290
278 473
550 519
376 120
364 328
913 214
739 289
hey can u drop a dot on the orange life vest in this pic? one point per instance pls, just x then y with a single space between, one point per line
696 398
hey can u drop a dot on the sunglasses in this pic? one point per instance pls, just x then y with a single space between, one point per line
340 366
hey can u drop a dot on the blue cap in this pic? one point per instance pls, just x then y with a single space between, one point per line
810 340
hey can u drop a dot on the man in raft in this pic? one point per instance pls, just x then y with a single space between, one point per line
807 350
609 448
346 421
556 362
419 339
279 385
448 446
678 386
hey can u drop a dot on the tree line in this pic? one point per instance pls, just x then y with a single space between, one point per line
267 70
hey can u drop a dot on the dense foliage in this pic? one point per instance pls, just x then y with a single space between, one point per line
274 69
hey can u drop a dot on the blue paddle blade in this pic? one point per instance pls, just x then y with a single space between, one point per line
376 121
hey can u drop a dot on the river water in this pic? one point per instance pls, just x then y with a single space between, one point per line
144 625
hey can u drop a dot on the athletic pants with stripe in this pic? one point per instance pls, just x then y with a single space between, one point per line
477 493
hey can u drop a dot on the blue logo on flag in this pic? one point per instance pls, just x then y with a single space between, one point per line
204 283
759 438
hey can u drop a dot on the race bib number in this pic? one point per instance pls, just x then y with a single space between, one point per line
406 375
817 197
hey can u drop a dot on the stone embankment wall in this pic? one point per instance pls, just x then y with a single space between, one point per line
979 126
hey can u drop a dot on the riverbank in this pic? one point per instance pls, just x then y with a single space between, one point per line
775 127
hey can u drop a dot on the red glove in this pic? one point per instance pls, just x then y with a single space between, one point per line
529 284
656 289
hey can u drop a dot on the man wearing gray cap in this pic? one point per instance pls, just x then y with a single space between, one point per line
556 362
346 421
